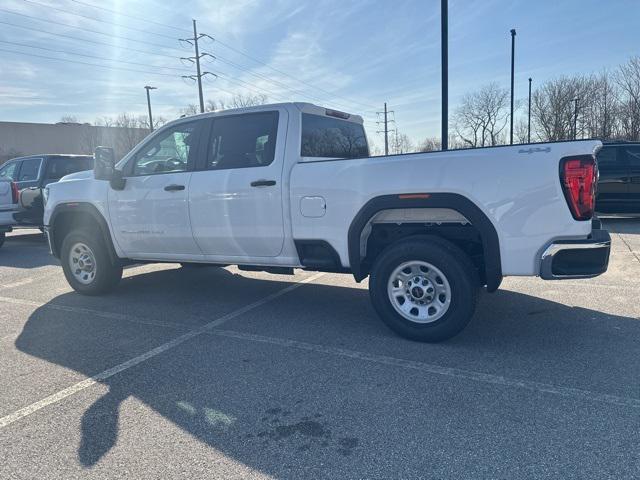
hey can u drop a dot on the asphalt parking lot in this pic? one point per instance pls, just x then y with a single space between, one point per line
216 373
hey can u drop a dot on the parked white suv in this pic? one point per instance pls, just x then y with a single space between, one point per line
287 186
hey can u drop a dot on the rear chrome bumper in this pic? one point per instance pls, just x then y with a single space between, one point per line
565 259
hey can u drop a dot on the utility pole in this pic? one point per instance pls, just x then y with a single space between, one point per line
199 74
147 88
529 115
385 130
575 118
444 45
513 49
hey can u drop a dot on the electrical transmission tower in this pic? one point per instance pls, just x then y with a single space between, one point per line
385 121
196 60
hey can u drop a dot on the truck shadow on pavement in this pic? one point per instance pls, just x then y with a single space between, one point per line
271 407
26 250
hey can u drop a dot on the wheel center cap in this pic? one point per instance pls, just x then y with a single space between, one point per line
417 292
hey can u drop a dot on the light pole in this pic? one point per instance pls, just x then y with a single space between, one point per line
147 88
529 115
575 118
513 49
444 41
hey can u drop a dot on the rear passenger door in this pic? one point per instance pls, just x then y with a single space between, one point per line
235 199
613 186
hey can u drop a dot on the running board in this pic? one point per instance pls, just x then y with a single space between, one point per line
274 270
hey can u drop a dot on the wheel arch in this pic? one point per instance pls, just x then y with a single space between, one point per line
452 201
68 216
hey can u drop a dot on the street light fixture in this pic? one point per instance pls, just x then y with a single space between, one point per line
147 88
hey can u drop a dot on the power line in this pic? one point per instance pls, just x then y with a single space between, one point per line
140 19
67 12
95 42
87 63
120 37
224 44
91 56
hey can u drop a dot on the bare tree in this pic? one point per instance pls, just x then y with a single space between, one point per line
68 119
628 80
553 107
521 131
482 116
430 144
401 143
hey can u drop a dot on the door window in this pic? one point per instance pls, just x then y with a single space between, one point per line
169 152
243 141
29 170
9 170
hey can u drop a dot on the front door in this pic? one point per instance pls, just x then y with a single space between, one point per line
236 199
613 185
632 153
150 216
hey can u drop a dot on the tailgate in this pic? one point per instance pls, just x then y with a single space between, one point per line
8 202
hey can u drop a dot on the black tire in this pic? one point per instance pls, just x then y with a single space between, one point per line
456 266
3 236
107 275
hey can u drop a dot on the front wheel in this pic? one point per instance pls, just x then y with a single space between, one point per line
87 265
424 289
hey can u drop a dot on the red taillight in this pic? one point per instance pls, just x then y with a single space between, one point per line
579 178
15 193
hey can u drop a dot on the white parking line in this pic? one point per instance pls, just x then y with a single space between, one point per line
436 369
67 392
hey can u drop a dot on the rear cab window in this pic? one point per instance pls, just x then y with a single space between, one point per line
58 167
329 137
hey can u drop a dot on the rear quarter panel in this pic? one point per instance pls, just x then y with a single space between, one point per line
517 187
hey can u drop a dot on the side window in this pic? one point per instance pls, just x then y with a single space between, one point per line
9 170
169 152
243 141
29 170
633 157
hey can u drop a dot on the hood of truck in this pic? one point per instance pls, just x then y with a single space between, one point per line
77 176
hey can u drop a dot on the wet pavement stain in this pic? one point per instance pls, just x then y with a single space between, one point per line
307 432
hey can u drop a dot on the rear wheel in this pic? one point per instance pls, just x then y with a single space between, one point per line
424 289
87 265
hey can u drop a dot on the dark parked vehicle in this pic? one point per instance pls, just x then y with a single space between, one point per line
619 185
31 174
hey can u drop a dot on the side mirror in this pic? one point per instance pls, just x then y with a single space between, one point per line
104 168
104 163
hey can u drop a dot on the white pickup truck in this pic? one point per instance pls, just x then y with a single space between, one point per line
287 186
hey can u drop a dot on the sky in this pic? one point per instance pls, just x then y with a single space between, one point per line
92 58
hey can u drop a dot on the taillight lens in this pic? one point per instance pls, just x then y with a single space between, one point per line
579 178
15 193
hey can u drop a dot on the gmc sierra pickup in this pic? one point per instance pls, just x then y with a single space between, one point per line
287 186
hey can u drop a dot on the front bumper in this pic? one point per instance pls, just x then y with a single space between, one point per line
586 258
